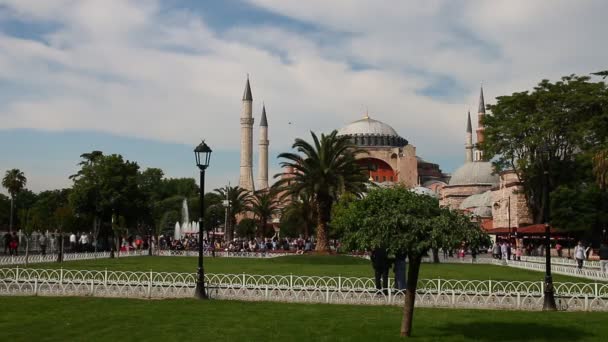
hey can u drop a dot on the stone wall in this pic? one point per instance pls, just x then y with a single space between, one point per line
510 193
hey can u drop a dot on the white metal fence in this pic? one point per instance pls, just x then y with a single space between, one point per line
39 258
291 288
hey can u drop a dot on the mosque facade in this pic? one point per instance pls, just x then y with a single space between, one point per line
493 198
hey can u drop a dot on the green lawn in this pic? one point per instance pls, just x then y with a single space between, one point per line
104 319
303 265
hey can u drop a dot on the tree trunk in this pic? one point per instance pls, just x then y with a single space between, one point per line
410 294
324 208
435 255
10 227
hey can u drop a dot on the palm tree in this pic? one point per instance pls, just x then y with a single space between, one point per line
263 205
14 181
325 169
239 200
304 211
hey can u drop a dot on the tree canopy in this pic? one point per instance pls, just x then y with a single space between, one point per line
557 127
400 220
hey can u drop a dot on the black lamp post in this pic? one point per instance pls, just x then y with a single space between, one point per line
150 241
549 300
202 153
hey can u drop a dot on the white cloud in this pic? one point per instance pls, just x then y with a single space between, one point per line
135 69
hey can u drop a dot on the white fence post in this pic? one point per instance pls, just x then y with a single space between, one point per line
291 281
36 286
105 278
61 276
17 274
490 286
439 286
150 285
339 283
92 287
244 280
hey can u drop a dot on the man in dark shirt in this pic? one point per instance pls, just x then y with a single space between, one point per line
604 256
381 266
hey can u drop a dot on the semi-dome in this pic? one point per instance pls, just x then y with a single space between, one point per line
477 172
370 132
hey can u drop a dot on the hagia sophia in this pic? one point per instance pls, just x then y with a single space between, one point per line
494 199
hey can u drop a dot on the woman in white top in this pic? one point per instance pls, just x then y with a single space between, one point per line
580 254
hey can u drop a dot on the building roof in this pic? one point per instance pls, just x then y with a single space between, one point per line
475 173
483 200
368 126
469 127
420 190
263 121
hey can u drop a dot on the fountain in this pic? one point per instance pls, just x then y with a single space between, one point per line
186 227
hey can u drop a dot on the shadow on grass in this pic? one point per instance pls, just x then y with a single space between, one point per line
509 331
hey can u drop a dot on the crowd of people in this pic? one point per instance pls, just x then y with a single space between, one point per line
275 244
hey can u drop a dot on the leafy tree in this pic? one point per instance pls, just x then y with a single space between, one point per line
325 169
246 228
5 209
600 168
240 202
582 208
106 186
264 204
14 181
555 127
403 221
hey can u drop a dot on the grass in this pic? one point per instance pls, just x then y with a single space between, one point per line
303 265
104 319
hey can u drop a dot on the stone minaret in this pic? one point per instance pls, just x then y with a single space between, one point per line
481 112
468 145
246 179
263 167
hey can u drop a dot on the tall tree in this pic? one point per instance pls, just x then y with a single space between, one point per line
547 129
402 221
240 202
325 169
264 204
14 181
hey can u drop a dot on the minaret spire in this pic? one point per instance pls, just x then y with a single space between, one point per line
481 112
468 143
263 144
246 174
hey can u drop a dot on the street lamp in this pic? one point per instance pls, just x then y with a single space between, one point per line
549 300
202 153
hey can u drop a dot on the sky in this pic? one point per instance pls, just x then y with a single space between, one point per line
150 79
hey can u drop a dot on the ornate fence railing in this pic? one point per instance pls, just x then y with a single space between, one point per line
39 258
291 288
561 261
589 273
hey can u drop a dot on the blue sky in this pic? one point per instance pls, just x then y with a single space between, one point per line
149 79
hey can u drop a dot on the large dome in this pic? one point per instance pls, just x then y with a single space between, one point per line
368 126
370 132
477 172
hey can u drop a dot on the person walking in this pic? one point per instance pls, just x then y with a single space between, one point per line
42 243
580 254
73 242
604 257
7 242
381 266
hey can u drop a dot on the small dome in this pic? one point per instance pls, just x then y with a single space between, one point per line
368 126
420 190
477 172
